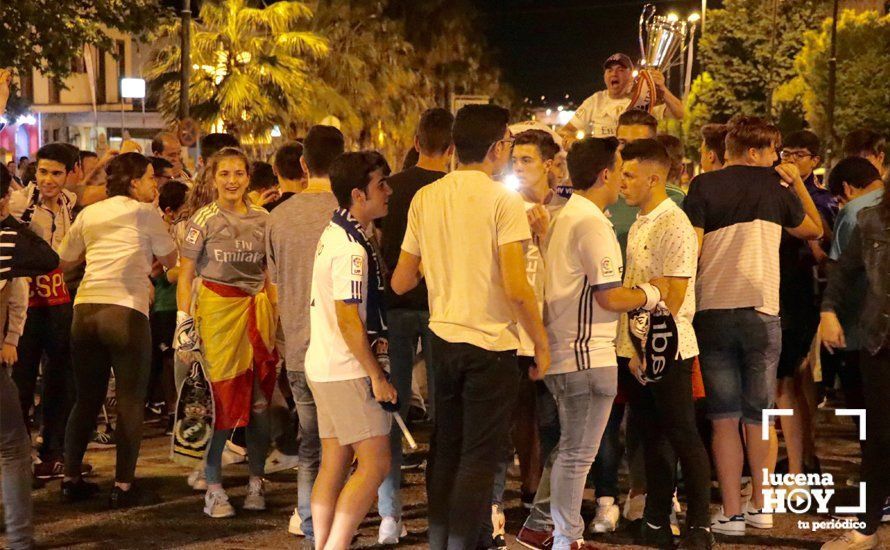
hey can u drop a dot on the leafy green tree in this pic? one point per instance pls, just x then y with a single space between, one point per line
452 48
251 67
748 52
377 85
862 97
49 35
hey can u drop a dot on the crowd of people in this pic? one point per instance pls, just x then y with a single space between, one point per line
604 308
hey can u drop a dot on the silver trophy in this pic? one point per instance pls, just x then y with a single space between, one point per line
662 39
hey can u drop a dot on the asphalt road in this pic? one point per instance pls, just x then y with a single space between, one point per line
178 521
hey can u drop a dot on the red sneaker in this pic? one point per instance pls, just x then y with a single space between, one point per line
536 540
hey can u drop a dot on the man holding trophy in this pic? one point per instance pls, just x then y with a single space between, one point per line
662 41
598 115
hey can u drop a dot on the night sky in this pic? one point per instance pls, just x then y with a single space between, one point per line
556 47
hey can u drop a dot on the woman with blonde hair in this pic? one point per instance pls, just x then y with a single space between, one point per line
230 319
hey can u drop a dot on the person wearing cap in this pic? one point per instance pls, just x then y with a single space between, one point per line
598 115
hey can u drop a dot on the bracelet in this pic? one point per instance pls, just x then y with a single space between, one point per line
653 295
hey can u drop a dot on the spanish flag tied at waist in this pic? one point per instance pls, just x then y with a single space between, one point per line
237 332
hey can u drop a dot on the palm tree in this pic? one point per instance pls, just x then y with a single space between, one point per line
251 67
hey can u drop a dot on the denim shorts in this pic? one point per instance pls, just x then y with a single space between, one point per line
739 355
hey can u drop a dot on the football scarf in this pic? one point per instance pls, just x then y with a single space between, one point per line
654 336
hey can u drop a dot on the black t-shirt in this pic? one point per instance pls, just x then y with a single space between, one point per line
284 196
404 186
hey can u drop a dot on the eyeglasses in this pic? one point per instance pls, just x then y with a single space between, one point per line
794 155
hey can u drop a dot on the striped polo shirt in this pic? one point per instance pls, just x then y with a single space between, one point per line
742 210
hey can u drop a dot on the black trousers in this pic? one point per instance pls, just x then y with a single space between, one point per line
667 415
876 387
105 337
47 330
475 393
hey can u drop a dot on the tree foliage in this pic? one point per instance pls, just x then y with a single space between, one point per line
251 67
748 54
372 77
49 35
862 97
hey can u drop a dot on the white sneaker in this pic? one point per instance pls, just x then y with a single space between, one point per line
852 540
278 462
295 525
607 516
217 505
391 531
255 499
196 479
733 526
634 506
233 454
758 518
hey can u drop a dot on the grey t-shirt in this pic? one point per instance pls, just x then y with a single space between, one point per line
292 235
227 247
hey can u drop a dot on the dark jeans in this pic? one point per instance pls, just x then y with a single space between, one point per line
47 330
161 386
406 327
876 386
475 394
608 459
105 337
667 412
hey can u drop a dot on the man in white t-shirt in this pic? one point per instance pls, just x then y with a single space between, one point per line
469 231
662 243
534 153
346 345
598 115
583 298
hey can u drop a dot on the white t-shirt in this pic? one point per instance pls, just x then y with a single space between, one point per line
119 237
581 257
455 226
340 273
534 268
662 243
598 115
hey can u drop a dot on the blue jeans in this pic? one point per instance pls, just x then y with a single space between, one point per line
258 434
15 465
584 400
405 326
739 355
309 454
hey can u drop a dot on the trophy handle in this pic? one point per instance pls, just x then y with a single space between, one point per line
647 14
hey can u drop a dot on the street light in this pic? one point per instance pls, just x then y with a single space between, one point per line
693 19
131 88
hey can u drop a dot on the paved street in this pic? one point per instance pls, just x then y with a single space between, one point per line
179 523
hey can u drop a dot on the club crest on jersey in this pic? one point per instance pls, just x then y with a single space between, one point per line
192 236
357 265
607 267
